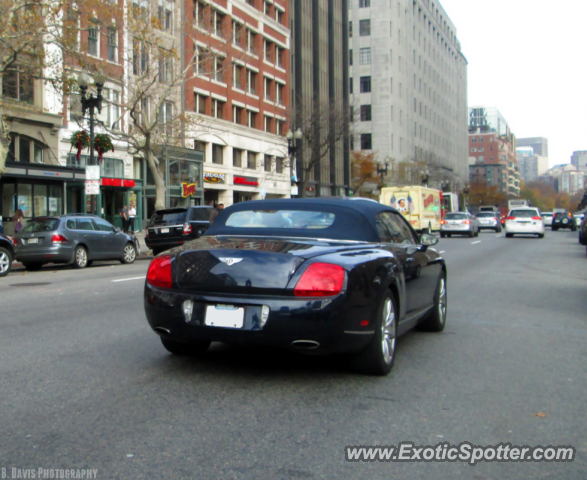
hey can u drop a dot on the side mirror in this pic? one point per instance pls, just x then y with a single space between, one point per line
116 230
428 240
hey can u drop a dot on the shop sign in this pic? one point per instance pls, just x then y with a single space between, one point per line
117 182
249 181
188 189
214 177
92 187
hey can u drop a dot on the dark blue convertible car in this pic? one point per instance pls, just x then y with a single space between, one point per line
313 275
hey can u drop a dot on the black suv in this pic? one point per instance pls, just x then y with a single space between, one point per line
172 227
563 220
6 255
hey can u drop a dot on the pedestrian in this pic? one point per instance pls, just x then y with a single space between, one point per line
124 215
17 220
132 213
215 212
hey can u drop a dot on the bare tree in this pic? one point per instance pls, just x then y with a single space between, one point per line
323 125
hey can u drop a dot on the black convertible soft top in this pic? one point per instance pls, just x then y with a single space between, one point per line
354 218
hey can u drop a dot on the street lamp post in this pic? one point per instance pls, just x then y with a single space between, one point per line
292 138
382 171
90 103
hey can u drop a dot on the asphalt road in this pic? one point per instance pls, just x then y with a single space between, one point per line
84 383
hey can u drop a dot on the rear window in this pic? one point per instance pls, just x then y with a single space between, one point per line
524 213
546 215
168 217
280 219
456 216
41 225
200 214
486 215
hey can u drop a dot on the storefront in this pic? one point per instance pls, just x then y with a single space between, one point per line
37 190
183 177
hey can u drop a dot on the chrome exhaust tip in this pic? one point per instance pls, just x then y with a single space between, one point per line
305 344
164 332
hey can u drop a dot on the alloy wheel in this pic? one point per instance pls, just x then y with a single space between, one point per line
129 254
442 300
4 262
81 257
388 329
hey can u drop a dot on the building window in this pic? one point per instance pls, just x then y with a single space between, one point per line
351 86
365 141
218 73
237 157
267 8
200 103
364 3
267 163
474 140
279 127
251 119
140 63
365 56
251 160
251 81
279 93
18 85
365 84
351 29
165 15
365 113
200 14
217 23
217 154
114 110
251 39
279 56
237 114
23 150
112 44
268 123
268 83
144 113
237 34
165 66
279 165
166 117
364 28
351 57
218 108
279 15
268 49
237 75
93 44
200 60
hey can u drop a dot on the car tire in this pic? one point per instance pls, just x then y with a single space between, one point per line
477 233
448 235
378 357
498 230
574 229
435 321
509 235
80 257
32 267
5 262
541 235
554 229
442 235
156 251
471 234
130 254
196 348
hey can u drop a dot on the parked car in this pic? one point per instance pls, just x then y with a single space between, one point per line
172 227
489 221
459 223
583 231
547 217
563 220
76 239
6 254
320 275
524 221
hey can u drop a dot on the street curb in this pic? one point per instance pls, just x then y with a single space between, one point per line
18 266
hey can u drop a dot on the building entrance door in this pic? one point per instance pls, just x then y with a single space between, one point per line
112 201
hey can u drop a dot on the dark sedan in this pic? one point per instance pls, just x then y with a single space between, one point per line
312 275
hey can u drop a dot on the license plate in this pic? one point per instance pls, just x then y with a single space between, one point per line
227 316
164 230
33 240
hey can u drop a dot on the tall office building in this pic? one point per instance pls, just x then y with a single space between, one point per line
409 83
320 79
538 144
579 160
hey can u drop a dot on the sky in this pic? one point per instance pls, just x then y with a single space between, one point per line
528 59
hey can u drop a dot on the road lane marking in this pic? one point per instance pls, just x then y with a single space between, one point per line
128 279
473 243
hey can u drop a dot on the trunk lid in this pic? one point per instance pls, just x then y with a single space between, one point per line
241 265
167 224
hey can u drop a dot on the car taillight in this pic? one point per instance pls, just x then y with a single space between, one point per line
443 222
536 218
510 218
320 280
571 215
159 274
467 222
187 228
58 239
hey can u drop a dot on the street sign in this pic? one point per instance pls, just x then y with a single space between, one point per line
92 187
93 172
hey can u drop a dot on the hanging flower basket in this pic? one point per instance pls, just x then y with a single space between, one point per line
79 140
103 144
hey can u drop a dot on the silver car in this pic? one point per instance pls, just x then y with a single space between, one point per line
489 220
459 223
77 239
547 217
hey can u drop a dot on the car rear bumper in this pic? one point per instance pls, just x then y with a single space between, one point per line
520 228
457 229
54 254
324 321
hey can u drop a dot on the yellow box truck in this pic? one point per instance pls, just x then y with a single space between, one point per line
420 205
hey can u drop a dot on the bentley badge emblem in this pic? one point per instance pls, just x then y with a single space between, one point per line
230 261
